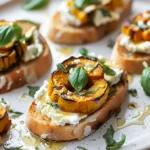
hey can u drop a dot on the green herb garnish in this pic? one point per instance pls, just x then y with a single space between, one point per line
145 79
107 69
105 12
142 26
36 148
81 148
111 143
84 52
112 90
35 4
81 4
35 52
62 67
88 92
3 101
32 90
78 78
15 114
53 104
133 92
8 33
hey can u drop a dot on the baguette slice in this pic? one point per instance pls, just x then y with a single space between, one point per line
131 62
42 127
65 34
26 72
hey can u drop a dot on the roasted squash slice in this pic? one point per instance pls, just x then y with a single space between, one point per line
87 101
137 28
4 120
13 52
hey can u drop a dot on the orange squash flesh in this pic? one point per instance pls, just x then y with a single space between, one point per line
4 120
62 92
134 31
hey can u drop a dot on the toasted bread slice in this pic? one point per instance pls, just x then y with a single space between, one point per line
26 72
41 126
63 34
131 62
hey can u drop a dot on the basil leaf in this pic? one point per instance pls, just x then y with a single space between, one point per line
81 4
112 90
105 12
109 136
78 78
62 67
18 31
36 148
35 4
133 92
84 52
15 114
145 80
111 143
53 104
6 34
108 70
32 90
117 145
88 92
81 148
142 26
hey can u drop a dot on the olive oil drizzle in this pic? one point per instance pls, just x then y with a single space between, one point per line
138 120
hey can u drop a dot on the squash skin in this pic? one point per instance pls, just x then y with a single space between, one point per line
60 90
4 120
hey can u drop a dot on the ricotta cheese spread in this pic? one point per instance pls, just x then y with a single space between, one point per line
57 116
100 19
34 50
112 80
67 17
143 47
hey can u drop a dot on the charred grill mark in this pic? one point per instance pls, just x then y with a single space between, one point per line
67 99
58 87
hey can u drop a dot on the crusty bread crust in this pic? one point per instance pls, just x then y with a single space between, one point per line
132 63
65 34
26 72
41 126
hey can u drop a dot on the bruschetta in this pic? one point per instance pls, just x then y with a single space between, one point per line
84 22
24 54
77 99
132 47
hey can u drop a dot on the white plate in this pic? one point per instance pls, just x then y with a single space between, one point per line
137 136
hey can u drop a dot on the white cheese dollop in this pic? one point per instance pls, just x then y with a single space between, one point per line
67 17
112 80
57 116
34 50
143 47
100 19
